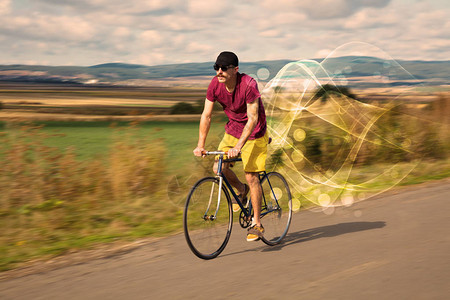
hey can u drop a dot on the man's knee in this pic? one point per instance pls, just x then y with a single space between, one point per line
252 177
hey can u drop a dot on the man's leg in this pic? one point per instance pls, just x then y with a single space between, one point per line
231 177
256 231
256 195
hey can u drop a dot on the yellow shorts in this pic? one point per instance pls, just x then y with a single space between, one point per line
254 152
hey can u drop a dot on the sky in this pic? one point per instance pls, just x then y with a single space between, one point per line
154 32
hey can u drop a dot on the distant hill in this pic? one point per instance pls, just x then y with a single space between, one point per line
429 72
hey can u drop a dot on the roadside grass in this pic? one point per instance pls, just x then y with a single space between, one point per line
428 171
364 182
52 201
74 185
40 235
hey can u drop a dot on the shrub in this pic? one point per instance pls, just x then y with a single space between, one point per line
324 91
185 108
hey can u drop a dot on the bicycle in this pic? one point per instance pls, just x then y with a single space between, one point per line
208 215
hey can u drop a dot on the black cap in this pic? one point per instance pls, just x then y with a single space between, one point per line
227 58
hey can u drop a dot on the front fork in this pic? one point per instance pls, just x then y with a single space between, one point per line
219 176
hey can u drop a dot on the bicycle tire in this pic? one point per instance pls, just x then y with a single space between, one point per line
207 237
276 208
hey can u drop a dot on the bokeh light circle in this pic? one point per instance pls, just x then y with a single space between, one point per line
263 73
347 200
328 210
278 193
324 200
297 156
296 204
299 135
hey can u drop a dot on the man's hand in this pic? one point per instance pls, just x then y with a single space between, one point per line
199 151
233 152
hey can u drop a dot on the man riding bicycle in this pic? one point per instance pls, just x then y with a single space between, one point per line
245 131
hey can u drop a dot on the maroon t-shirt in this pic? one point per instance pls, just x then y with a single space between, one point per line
235 104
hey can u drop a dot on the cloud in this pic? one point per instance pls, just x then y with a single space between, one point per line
173 31
5 7
210 9
59 28
370 18
324 9
151 38
270 33
200 48
137 7
121 32
178 23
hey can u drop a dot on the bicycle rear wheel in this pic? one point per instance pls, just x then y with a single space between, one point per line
276 208
207 222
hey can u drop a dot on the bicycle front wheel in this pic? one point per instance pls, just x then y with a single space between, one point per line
207 220
276 208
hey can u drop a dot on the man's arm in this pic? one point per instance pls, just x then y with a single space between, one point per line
205 123
252 114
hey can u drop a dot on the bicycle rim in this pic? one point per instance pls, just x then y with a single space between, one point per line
206 228
276 210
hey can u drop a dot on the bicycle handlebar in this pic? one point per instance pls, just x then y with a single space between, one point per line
214 153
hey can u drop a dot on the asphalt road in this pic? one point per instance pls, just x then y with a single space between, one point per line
396 246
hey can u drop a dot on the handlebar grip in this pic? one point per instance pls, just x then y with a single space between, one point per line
215 153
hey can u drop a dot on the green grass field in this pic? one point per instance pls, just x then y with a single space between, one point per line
94 139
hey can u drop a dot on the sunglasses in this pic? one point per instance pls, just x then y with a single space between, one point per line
224 68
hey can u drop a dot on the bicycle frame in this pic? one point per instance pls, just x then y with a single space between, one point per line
222 178
210 240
